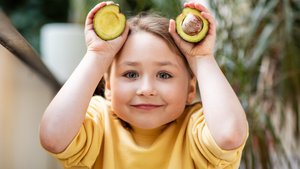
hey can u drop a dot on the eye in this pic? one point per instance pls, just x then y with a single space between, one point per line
164 75
131 75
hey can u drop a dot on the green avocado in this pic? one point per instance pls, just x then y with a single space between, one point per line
191 26
109 22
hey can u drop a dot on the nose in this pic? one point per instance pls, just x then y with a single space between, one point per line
146 88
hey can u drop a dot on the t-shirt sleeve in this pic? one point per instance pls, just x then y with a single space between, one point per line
85 147
204 146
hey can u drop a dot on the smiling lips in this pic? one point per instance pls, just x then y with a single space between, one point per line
146 106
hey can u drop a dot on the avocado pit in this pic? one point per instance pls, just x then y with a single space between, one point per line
192 24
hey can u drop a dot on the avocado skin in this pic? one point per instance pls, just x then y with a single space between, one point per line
109 23
195 38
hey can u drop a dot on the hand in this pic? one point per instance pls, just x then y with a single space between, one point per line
96 44
196 50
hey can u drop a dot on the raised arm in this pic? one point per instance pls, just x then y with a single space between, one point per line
66 112
223 112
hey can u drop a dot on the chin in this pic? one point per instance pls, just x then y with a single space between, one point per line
147 125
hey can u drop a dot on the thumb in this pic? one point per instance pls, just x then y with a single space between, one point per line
181 44
172 31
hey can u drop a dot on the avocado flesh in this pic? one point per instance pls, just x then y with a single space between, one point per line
109 23
196 36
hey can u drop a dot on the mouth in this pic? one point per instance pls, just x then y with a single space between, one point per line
146 106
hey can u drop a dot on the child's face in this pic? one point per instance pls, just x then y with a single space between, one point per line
149 85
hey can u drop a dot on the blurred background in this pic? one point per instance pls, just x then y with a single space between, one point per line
257 48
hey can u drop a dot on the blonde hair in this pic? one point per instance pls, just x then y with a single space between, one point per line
157 25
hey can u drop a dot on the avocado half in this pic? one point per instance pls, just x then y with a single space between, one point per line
191 26
109 22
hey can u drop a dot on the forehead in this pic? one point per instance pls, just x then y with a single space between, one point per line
147 47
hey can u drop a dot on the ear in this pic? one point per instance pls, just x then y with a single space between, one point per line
192 90
107 90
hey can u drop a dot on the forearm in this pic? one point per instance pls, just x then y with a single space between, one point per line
223 112
65 114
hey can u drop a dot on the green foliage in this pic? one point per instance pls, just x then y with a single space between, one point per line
168 8
258 47
28 16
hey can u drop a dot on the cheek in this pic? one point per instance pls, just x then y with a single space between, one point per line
174 92
119 98
121 92
175 96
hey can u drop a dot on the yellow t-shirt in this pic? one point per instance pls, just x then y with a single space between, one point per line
104 143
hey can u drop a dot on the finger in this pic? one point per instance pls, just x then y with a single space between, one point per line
109 2
124 35
197 6
189 5
181 44
201 8
211 20
126 31
91 14
172 31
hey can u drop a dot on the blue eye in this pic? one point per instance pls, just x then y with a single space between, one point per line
164 75
131 75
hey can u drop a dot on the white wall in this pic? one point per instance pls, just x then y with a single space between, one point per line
23 98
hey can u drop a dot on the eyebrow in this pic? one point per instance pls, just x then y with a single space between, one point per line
166 63
162 63
130 63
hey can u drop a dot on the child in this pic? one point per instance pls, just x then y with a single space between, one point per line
148 119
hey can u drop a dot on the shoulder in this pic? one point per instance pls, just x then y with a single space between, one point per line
190 112
194 109
99 103
98 106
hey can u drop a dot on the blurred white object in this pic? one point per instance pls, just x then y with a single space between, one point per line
62 47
